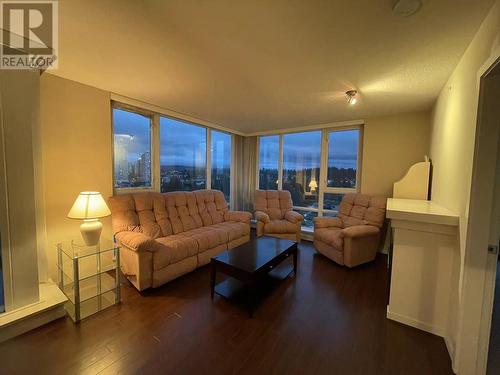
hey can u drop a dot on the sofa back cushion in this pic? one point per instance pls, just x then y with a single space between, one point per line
359 209
160 215
275 203
211 205
134 212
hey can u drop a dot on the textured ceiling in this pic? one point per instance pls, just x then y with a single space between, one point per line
262 65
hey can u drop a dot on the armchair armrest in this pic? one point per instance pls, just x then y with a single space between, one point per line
136 241
293 217
262 216
241 216
327 222
357 231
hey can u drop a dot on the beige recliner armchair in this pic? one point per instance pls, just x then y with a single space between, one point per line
353 237
274 215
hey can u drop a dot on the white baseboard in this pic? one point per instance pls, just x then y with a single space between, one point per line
48 308
435 330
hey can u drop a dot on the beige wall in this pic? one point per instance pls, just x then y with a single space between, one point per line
453 127
390 146
76 153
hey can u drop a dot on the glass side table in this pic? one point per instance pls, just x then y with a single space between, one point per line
88 276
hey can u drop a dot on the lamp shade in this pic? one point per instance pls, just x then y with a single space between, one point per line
89 205
313 184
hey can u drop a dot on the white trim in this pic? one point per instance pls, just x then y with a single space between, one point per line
300 129
439 331
171 113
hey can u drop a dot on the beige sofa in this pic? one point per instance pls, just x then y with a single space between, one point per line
353 237
164 236
274 215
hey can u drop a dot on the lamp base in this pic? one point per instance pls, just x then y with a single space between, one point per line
91 231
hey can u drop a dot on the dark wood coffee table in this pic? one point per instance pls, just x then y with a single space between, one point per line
253 268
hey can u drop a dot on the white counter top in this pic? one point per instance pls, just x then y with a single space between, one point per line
421 211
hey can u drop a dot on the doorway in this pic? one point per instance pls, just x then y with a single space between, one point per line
493 362
483 232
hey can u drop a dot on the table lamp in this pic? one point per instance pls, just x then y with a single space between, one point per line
89 206
313 185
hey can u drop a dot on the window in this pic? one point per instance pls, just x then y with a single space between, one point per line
183 156
155 152
317 168
342 158
220 151
301 165
132 149
268 162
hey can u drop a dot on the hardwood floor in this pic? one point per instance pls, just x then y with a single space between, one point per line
327 320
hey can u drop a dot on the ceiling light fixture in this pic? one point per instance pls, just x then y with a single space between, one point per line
351 97
407 8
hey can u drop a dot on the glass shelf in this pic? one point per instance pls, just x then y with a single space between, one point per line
88 276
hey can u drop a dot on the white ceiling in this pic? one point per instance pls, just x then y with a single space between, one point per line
261 65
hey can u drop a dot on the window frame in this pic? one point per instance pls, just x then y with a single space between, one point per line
323 188
150 115
155 150
232 156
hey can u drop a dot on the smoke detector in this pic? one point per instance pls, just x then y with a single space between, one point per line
407 8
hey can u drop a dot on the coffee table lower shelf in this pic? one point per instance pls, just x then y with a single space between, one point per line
235 289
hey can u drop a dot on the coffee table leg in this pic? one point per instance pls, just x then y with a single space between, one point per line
295 261
212 279
251 299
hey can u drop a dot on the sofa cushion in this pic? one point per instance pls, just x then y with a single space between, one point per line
230 230
331 236
124 214
161 215
280 227
360 209
206 237
275 203
211 205
182 211
175 248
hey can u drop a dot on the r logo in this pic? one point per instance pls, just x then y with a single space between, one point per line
29 28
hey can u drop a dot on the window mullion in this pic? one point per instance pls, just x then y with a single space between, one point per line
156 168
280 164
323 170
257 160
208 163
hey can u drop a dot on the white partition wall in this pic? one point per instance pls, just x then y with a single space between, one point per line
19 90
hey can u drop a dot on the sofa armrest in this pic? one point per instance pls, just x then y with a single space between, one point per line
262 216
357 231
241 216
293 217
327 222
136 241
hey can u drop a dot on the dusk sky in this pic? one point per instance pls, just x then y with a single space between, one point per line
302 150
180 143
185 144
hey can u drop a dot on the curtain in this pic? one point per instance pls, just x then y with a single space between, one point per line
245 172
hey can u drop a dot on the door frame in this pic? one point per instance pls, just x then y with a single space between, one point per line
475 309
